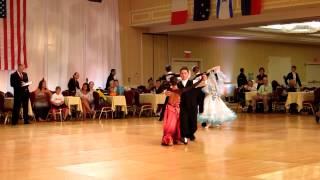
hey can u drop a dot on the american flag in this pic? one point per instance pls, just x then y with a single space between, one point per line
12 34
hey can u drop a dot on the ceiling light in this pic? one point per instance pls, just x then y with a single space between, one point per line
298 28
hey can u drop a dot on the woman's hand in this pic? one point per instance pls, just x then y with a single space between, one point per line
204 77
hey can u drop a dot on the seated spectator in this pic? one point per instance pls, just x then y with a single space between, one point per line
250 87
111 77
119 89
260 77
275 85
112 89
57 103
91 90
85 97
142 89
158 88
150 87
264 94
42 101
73 84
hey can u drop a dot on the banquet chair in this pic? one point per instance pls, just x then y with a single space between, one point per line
310 105
5 110
130 100
278 103
142 107
100 107
58 113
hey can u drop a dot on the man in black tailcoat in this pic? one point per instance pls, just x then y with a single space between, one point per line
188 107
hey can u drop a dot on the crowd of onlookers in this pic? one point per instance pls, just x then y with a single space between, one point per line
266 92
44 100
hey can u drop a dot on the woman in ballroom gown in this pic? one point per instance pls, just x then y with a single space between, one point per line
215 110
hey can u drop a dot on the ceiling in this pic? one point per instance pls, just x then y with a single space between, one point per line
256 33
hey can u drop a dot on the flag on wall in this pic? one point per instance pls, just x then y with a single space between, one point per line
201 10
224 9
251 7
12 34
179 12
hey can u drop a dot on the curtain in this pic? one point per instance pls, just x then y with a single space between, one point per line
67 36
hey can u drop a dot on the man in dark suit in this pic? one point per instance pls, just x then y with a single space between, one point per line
18 81
188 107
293 75
73 84
165 85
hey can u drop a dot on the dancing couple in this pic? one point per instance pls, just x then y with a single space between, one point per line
181 111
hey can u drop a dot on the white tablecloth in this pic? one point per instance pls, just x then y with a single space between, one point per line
153 99
299 98
118 101
73 101
8 104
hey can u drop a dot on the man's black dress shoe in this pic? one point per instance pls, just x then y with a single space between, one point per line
184 140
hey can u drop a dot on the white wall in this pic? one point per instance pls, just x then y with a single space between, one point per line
64 36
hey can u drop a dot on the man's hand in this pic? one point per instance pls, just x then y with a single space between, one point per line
168 93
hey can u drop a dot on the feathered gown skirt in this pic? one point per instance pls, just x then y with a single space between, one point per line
215 111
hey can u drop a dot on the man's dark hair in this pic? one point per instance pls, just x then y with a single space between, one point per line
295 67
168 68
242 70
194 68
58 87
261 68
184 68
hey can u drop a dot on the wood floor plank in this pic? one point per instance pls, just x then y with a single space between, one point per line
255 146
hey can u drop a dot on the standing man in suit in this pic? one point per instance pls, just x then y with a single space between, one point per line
73 84
201 95
18 81
293 75
165 85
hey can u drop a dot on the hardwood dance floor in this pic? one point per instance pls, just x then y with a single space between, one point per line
274 146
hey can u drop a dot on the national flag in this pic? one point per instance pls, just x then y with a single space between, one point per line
201 10
224 9
251 7
179 12
12 34
256 7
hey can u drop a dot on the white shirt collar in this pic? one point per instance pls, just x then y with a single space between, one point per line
184 82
